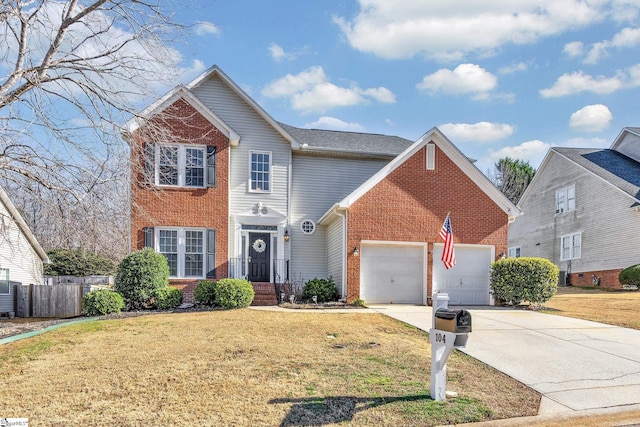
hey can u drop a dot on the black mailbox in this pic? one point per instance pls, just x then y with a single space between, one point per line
457 321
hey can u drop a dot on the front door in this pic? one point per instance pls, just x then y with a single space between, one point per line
259 253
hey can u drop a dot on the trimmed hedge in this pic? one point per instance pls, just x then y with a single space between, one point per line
630 276
139 275
324 289
102 301
167 298
514 280
225 293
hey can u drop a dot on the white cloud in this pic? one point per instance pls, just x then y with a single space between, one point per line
572 83
277 52
477 132
450 30
311 90
592 118
626 38
529 151
464 79
332 123
513 68
573 49
204 28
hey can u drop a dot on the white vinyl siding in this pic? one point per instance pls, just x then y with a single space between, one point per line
317 184
257 135
538 232
336 252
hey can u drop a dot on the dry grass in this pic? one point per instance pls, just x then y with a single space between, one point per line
619 308
245 367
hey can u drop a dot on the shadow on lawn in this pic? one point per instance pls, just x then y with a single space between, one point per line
319 411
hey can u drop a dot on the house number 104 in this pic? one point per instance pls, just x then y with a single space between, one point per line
441 338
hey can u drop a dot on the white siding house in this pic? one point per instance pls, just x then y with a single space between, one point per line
21 256
581 211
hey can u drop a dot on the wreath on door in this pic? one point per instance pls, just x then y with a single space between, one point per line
259 246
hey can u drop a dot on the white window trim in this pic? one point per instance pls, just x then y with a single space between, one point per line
182 165
5 272
181 249
515 250
571 247
250 182
565 192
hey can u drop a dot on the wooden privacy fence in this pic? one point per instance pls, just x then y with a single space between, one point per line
49 301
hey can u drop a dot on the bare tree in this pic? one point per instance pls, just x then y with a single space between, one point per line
71 73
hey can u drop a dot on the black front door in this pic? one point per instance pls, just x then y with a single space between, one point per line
259 253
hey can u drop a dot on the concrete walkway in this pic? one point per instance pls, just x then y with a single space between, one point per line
576 365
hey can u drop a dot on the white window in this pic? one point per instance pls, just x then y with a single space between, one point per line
570 246
566 199
307 226
180 165
184 249
260 171
514 252
4 282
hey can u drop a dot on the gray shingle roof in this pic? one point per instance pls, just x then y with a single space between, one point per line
353 142
618 169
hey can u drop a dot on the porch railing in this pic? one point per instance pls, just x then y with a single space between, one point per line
239 268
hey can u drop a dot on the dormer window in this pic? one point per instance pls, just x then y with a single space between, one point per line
566 199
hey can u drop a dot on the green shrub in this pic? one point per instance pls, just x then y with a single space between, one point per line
139 275
358 302
167 298
205 293
324 289
102 301
77 262
233 293
514 280
630 276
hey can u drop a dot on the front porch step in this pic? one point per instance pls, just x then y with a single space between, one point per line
264 294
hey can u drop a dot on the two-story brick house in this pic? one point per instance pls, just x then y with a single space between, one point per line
224 190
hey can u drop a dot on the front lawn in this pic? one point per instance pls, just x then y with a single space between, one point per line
618 308
246 367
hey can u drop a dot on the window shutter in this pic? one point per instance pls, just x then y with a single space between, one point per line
211 166
150 163
211 254
148 237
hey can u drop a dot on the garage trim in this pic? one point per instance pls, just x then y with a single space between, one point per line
423 245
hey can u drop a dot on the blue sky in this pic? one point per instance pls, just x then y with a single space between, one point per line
498 77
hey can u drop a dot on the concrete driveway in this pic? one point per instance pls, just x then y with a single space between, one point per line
575 364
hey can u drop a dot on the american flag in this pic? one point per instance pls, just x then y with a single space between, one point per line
448 252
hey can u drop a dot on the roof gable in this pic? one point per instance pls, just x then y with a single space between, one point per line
15 215
451 151
180 92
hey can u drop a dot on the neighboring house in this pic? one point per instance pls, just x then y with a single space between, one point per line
224 190
21 256
582 212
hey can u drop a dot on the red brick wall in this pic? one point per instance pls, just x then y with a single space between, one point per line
608 278
411 204
182 207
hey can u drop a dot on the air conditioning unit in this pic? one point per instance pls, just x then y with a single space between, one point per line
562 278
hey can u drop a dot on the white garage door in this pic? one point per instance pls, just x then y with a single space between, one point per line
467 283
392 274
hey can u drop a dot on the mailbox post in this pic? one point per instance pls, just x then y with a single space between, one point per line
450 329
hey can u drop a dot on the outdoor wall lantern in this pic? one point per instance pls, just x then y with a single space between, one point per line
356 252
286 235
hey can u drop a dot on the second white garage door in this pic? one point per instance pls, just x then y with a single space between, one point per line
467 283
392 274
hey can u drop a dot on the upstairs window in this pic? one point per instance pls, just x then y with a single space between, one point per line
260 171
179 165
566 199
